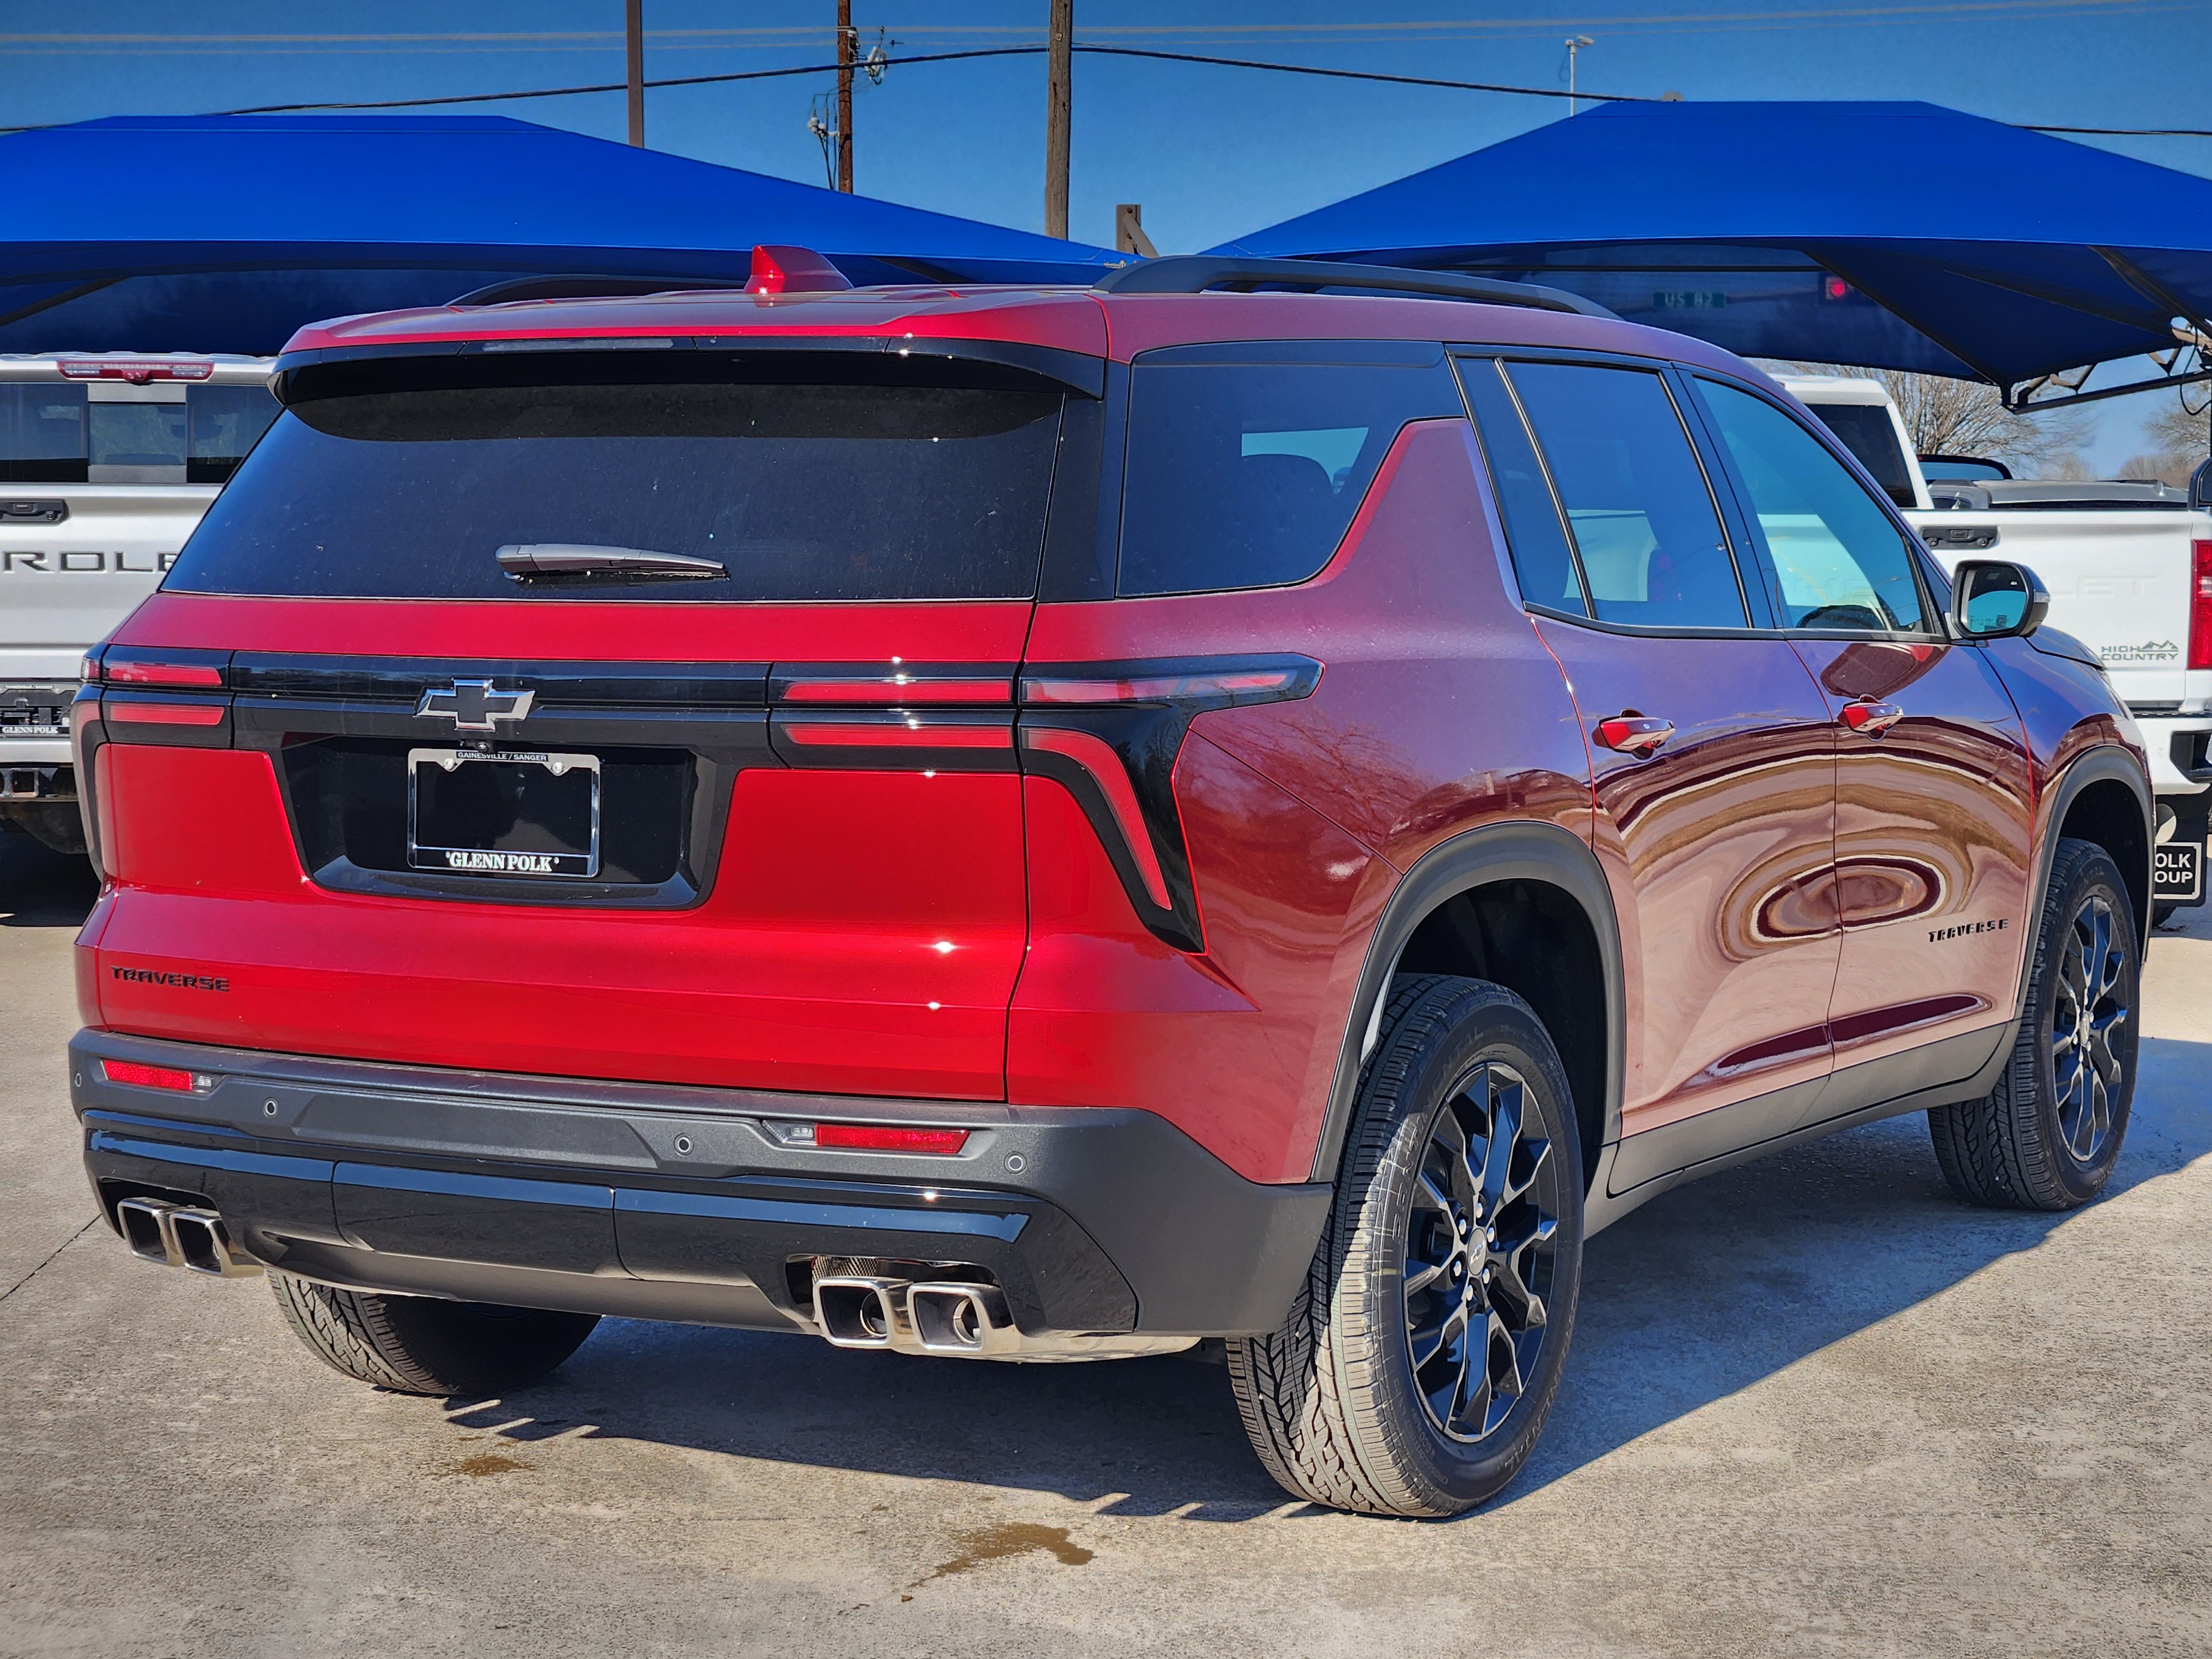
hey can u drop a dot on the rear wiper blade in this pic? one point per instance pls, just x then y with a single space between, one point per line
581 561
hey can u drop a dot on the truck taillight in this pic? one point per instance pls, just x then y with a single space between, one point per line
2200 605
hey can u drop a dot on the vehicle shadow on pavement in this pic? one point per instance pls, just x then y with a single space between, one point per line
1700 1294
41 888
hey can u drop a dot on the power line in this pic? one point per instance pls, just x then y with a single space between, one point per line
1032 52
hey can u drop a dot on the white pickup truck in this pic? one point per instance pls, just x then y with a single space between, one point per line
2130 570
107 460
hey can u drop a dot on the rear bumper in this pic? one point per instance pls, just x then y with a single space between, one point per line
658 1202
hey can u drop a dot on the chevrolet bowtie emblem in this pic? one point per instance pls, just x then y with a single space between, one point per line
476 705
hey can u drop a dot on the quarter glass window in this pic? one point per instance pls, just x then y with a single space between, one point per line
1643 522
1840 558
1542 558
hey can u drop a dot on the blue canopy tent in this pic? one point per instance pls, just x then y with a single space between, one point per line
1898 235
226 232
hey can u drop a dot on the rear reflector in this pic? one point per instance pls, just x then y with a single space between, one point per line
140 1076
880 1138
158 673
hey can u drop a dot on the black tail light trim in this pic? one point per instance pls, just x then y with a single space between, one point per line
1080 721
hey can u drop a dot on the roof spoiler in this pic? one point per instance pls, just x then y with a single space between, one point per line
1195 273
776 269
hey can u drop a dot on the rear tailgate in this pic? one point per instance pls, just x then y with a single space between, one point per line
2119 581
592 827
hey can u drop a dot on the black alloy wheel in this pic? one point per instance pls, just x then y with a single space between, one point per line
2047 1136
2088 1016
1479 1254
1414 1370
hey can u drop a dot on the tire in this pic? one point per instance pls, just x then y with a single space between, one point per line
2047 1136
422 1345
54 824
1333 1402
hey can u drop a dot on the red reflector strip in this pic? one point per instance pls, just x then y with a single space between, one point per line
140 1076
897 735
898 688
163 673
164 713
878 1138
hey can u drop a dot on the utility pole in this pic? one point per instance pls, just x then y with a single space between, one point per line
636 23
846 42
1059 91
1575 44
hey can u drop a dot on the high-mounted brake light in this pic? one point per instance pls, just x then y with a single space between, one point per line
778 268
882 1138
141 1075
137 374
2200 605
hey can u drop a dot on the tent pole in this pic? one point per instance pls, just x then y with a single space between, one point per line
845 41
1059 94
636 30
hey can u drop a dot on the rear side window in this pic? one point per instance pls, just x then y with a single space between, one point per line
1646 530
227 421
1871 436
41 432
807 491
1840 559
1242 472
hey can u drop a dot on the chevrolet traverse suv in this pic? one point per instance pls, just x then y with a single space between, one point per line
1034 823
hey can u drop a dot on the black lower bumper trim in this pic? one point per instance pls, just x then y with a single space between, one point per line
621 1198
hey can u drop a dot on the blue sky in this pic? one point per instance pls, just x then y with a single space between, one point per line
1210 152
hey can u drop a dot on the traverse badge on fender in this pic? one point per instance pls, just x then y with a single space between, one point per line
476 705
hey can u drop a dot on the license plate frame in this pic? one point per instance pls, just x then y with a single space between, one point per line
560 859
2178 872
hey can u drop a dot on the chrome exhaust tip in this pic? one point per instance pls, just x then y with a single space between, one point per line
956 1318
143 1222
859 1312
204 1246
178 1237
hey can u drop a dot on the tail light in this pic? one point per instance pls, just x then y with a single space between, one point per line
2200 605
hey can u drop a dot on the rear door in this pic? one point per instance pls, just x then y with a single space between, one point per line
1934 791
711 779
1713 756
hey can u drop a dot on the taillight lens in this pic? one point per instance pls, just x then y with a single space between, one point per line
140 1076
163 673
2200 605
881 1138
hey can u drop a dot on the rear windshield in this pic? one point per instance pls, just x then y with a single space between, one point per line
799 491
1870 436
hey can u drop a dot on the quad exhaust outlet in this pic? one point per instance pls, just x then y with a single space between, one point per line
177 1236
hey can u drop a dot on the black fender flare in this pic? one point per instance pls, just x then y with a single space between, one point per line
1477 858
2107 761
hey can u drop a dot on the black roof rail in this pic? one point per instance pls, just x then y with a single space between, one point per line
581 286
1195 273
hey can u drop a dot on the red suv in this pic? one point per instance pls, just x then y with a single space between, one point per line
1032 823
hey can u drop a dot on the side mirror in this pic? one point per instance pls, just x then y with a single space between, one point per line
2200 486
1996 599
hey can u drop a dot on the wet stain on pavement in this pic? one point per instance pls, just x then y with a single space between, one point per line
483 1463
1005 1539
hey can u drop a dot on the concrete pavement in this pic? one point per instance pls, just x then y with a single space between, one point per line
1815 1406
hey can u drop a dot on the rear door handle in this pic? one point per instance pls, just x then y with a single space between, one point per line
1632 733
1870 719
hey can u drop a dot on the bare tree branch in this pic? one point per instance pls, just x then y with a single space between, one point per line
1947 417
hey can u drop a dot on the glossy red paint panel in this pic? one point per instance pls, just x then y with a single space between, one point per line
862 937
1223 1045
564 630
1720 850
1932 836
